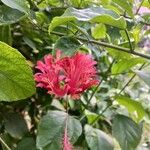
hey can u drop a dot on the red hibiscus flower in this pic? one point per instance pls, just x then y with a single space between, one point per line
67 75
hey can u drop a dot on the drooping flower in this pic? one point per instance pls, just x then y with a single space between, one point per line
67 75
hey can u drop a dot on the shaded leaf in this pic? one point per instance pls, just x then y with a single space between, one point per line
97 139
67 44
127 132
51 130
5 34
9 15
15 75
29 43
15 125
26 142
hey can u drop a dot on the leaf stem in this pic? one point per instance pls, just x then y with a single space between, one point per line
3 142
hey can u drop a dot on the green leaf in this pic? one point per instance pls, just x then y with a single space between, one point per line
57 21
126 6
134 107
99 31
123 65
67 44
9 15
54 2
146 4
51 130
136 32
79 29
127 132
90 116
26 142
20 5
93 15
105 2
146 18
118 54
97 139
15 125
5 34
15 75
29 42
145 76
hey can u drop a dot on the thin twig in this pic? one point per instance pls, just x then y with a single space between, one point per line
3 142
109 68
93 122
130 44
114 47
130 80
93 93
139 7
88 101
108 106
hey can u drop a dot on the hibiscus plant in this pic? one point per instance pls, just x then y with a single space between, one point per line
74 74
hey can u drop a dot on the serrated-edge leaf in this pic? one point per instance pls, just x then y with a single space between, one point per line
67 44
15 75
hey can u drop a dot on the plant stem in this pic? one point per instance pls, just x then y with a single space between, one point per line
139 7
145 23
32 5
108 106
130 44
93 93
114 47
130 80
3 142
93 122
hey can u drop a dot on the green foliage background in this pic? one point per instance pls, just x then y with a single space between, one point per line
113 115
